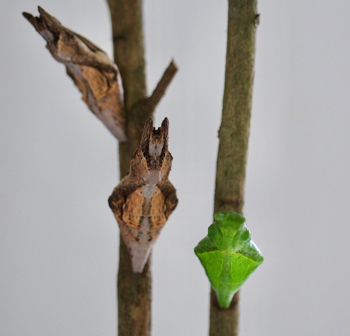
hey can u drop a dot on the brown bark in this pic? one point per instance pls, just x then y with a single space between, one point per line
234 134
134 289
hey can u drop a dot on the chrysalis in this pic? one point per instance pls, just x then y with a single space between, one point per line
93 72
228 255
145 198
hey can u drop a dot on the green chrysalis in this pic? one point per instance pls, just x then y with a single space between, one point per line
228 255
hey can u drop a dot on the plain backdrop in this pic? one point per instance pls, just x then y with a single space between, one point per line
58 238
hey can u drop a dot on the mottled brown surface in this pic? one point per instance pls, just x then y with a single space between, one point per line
135 208
134 289
145 198
93 72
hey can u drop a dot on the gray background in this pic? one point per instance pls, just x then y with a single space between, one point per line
59 240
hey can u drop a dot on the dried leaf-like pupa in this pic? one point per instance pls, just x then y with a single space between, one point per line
93 72
145 198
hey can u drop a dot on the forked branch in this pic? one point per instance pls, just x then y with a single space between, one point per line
147 106
124 110
95 74
162 85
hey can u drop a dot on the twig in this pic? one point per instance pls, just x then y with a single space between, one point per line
147 106
162 86
134 289
234 135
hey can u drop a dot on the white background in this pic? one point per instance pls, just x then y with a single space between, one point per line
59 240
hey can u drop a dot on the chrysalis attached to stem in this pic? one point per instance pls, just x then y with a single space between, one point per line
93 72
145 198
228 255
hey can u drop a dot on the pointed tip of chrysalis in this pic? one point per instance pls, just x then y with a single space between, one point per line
224 298
139 259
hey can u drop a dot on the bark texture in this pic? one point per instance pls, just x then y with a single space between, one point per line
234 135
134 289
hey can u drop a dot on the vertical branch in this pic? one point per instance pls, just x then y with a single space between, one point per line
234 134
134 289
98 78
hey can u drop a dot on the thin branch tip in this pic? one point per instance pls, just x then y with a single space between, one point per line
174 65
162 86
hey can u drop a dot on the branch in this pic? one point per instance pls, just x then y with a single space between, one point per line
147 106
234 135
95 75
99 79
134 289
162 86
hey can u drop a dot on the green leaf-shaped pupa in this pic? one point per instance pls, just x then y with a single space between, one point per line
228 255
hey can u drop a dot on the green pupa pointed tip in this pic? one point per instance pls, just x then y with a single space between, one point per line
224 299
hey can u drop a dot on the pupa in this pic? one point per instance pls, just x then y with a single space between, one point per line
144 199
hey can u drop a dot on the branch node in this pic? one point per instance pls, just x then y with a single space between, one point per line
257 20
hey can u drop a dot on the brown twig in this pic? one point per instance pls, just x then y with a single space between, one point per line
162 86
234 135
134 289
147 106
